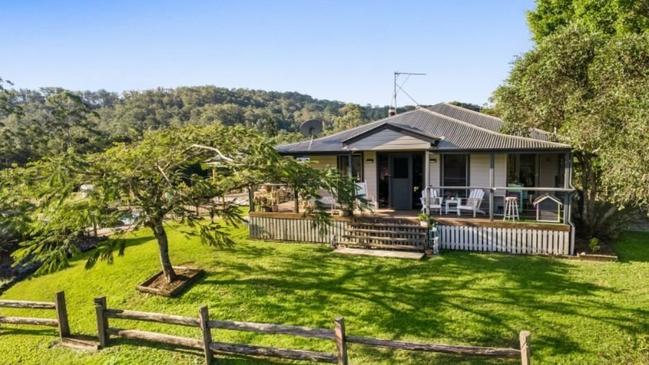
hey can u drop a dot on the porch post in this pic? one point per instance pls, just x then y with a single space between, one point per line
492 163
349 165
251 199
567 176
427 181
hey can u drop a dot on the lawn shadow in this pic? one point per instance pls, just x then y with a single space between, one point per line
29 331
218 358
414 299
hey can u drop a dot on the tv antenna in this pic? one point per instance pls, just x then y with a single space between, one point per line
397 86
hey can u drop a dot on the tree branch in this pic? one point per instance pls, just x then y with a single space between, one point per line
215 150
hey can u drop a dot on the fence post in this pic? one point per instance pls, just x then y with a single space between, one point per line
62 315
102 321
341 340
204 318
526 351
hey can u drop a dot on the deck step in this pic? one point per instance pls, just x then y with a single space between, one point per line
388 225
388 239
380 253
416 248
389 232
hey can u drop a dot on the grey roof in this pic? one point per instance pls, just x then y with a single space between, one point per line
480 119
476 133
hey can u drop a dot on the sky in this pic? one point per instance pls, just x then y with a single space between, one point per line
341 50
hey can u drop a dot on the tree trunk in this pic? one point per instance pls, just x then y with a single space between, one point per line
296 207
163 248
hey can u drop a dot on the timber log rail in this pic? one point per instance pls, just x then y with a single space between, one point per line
337 335
61 321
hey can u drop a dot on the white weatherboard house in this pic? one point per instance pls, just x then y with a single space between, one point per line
458 163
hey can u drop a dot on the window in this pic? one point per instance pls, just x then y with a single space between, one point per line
401 169
356 166
521 169
455 172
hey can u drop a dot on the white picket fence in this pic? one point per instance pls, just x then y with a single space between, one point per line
531 241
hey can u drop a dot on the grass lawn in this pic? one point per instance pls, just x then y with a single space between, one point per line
578 312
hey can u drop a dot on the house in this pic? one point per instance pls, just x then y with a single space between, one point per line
452 151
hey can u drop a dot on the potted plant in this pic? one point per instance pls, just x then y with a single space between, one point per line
424 219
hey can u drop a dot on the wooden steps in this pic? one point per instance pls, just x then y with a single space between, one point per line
381 233
388 239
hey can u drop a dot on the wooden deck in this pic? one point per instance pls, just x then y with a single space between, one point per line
400 230
411 216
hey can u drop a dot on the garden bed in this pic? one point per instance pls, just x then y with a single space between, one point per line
157 284
604 253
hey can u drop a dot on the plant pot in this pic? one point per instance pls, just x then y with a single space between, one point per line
423 224
345 213
275 208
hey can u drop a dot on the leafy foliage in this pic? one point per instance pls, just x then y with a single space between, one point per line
96 119
591 89
607 16
166 175
352 116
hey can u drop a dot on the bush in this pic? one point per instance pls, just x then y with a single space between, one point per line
594 244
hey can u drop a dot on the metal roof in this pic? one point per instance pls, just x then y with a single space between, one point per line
480 119
472 133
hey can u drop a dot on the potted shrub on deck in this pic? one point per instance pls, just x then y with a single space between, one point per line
424 219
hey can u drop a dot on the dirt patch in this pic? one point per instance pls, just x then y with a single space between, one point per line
158 285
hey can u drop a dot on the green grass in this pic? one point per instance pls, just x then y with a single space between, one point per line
578 312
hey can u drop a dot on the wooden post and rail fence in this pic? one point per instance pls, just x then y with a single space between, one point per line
58 305
337 334
209 347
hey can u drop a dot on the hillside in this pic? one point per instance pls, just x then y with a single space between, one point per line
95 119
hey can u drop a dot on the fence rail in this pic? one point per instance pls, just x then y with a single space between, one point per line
58 305
337 334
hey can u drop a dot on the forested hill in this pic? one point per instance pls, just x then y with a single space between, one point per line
53 119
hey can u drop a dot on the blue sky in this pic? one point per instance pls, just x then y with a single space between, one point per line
343 50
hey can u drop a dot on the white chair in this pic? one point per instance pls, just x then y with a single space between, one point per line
434 200
361 191
472 203
327 199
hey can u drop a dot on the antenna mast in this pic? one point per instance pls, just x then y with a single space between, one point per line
396 87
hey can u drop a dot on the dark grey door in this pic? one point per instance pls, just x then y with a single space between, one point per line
401 181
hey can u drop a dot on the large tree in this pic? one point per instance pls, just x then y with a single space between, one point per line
164 176
607 16
590 88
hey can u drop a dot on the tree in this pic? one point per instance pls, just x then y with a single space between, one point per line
161 177
590 88
352 116
607 16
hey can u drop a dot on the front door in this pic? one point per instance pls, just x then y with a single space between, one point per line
401 181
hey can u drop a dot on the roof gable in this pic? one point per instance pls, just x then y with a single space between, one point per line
403 129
